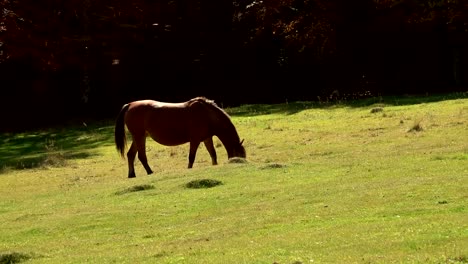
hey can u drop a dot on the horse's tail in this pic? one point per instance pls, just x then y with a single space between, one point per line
119 132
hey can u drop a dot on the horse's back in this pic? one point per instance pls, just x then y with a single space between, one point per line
154 109
167 123
144 104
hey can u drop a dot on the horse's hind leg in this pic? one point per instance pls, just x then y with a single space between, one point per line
211 149
141 149
131 160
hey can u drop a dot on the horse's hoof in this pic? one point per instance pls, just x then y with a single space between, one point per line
131 176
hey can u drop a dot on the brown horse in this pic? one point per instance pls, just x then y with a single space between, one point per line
171 124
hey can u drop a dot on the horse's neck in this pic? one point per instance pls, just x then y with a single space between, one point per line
226 131
228 135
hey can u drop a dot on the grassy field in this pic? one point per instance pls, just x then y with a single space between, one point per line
383 180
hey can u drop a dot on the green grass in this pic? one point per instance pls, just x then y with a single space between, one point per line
323 183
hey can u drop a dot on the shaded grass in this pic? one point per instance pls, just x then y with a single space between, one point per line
52 147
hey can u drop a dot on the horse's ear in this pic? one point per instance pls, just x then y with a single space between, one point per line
242 141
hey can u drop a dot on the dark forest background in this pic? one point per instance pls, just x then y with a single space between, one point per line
66 59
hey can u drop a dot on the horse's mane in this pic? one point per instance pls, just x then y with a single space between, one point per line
203 99
208 101
211 103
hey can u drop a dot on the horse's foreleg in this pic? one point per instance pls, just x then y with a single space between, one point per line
141 148
131 160
193 152
211 149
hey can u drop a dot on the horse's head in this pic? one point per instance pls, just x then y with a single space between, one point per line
239 150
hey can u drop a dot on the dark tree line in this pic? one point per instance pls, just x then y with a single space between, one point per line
61 59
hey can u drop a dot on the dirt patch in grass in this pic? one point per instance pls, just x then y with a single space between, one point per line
237 160
417 126
376 110
203 183
13 257
273 166
136 188
54 160
459 259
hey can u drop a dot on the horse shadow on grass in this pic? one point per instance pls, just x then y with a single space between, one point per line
53 146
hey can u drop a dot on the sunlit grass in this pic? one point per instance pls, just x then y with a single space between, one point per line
321 184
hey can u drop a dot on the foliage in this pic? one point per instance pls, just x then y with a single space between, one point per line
65 59
57 34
